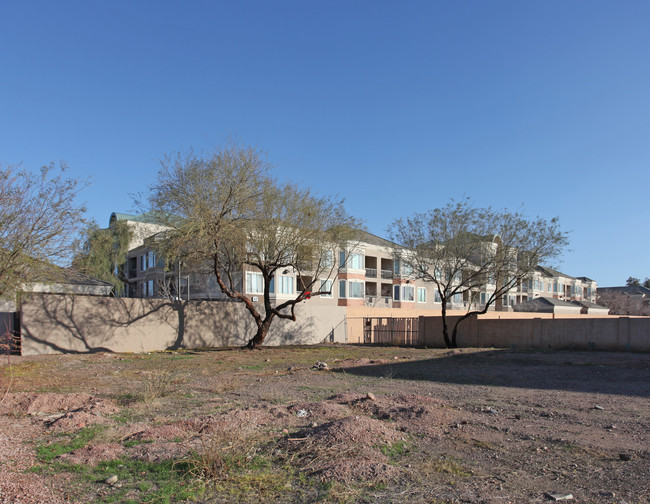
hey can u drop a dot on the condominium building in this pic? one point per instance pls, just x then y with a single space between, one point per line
364 274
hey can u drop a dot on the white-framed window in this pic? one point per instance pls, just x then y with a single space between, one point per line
422 295
458 298
408 293
328 259
342 289
355 261
285 285
254 282
356 289
436 297
326 286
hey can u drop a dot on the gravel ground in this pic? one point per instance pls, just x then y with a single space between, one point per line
482 426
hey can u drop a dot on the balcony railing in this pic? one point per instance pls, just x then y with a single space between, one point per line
371 272
387 274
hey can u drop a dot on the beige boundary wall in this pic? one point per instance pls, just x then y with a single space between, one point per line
543 331
59 323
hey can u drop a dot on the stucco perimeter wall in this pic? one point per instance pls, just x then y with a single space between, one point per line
544 331
58 323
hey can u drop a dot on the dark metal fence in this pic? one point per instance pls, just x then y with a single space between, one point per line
399 331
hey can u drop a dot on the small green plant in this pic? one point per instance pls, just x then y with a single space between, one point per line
444 464
138 481
395 451
49 451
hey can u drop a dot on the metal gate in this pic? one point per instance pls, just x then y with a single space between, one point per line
399 331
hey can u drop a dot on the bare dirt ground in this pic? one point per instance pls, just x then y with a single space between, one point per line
376 424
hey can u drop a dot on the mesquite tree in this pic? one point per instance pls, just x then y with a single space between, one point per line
465 251
260 237
39 217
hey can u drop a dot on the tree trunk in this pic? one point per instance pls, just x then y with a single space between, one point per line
258 340
445 329
454 343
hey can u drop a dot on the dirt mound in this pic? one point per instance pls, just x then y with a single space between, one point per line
347 449
320 411
359 430
159 451
415 413
48 403
169 432
242 420
92 454
75 420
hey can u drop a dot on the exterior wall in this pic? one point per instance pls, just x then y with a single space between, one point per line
544 331
52 323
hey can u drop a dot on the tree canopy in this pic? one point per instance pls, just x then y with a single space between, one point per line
103 252
224 209
462 249
39 218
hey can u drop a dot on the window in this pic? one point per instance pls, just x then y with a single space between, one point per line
341 259
254 283
143 262
328 259
342 288
150 291
436 297
355 261
458 298
483 298
285 285
396 292
151 259
326 286
408 293
422 295
356 289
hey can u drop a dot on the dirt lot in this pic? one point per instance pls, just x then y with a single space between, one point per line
377 424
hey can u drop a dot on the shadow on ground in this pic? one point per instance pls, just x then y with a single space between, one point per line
597 372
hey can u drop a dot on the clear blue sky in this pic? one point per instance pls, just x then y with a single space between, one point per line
394 106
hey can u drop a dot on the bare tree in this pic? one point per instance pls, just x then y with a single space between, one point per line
39 218
624 303
258 235
464 250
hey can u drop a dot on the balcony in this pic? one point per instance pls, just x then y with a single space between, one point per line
371 272
387 274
